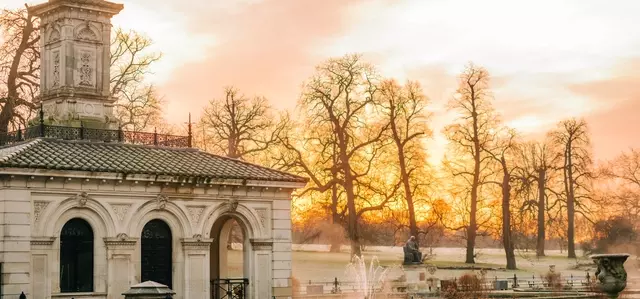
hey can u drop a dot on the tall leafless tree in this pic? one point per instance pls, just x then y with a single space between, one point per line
503 151
138 105
337 99
468 138
572 137
310 151
240 127
537 164
624 199
19 66
405 109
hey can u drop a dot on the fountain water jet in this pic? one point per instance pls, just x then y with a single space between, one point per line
367 278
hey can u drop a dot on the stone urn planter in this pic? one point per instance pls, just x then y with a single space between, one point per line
611 273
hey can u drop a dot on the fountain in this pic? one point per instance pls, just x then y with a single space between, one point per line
367 278
611 273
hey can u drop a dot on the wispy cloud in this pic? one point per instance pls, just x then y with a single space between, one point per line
550 59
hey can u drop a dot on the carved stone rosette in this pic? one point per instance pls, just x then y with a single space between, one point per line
611 273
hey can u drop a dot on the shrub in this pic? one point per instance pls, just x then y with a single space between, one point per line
552 280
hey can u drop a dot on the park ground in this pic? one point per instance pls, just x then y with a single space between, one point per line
313 263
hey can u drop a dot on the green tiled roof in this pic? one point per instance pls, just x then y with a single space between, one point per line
133 159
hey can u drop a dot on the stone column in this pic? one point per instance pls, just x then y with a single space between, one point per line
263 261
15 211
120 264
196 257
42 256
281 272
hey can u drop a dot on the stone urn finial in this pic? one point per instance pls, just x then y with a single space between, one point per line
611 273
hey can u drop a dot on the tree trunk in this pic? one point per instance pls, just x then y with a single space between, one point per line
335 218
413 226
472 229
542 173
571 249
352 219
507 240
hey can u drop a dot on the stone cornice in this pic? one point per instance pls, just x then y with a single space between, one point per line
42 241
94 5
121 241
196 243
262 244
147 179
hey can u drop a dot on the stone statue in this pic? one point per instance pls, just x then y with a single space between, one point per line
412 254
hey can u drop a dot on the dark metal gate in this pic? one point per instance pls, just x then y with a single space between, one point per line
156 255
230 288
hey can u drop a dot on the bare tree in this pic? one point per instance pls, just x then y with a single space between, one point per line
537 163
503 152
468 139
139 108
240 127
336 100
19 66
404 107
131 59
573 139
624 172
138 105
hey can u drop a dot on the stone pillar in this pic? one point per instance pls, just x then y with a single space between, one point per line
15 250
196 257
281 272
120 261
43 254
263 261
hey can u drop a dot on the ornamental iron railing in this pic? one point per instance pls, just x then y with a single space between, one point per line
229 288
104 135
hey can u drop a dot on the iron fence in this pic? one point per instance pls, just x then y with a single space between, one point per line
229 288
105 135
495 283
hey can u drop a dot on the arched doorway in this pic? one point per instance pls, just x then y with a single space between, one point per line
76 257
157 253
230 258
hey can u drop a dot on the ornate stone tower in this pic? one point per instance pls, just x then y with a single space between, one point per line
75 59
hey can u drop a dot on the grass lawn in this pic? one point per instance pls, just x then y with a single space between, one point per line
321 266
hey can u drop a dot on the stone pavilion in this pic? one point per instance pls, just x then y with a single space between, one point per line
88 210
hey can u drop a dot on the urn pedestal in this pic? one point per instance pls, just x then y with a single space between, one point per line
611 274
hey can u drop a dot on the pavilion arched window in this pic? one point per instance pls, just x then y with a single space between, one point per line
76 257
156 253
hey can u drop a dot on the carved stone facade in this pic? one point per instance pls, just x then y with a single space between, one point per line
118 210
75 74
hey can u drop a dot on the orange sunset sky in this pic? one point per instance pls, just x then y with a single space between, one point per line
550 59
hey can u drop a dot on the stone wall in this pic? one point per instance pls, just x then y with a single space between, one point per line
34 209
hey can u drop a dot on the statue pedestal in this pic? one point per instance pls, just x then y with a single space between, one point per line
416 276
